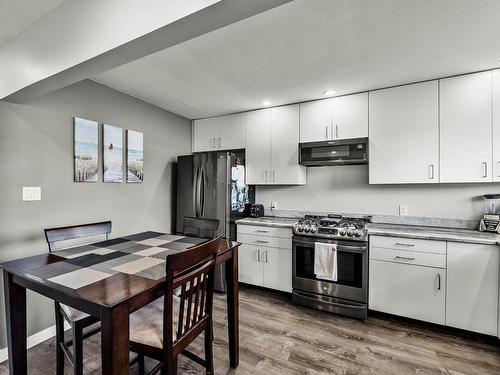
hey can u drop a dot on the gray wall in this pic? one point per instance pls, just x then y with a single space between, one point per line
345 189
36 150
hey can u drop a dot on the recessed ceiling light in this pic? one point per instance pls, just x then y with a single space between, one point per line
329 92
266 103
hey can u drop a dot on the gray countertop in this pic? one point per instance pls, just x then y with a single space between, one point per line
394 230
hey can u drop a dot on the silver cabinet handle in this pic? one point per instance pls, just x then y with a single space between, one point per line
485 169
261 241
274 175
262 231
404 244
431 171
404 258
438 281
213 142
258 255
326 129
498 168
220 142
265 253
265 175
336 131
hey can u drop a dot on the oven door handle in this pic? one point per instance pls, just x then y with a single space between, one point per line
347 248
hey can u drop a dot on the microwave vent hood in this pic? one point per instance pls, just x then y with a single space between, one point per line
335 152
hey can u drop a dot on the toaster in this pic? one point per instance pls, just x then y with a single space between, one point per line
256 210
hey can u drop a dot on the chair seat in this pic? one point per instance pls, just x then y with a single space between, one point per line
73 314
146 324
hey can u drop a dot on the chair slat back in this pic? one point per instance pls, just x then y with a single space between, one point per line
55 235
193 272
202 228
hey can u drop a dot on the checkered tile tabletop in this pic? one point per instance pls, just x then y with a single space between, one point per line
142 254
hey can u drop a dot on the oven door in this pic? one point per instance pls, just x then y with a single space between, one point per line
352 269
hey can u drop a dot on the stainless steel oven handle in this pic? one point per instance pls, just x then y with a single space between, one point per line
363 247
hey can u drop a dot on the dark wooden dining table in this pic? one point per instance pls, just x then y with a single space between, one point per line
108 280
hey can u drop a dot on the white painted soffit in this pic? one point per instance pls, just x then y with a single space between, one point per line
80 39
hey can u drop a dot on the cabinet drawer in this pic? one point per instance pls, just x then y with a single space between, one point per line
265 231
408 257
264 241
413 244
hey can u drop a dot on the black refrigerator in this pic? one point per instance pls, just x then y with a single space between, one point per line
212 185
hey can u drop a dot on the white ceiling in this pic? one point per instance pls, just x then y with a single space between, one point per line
15 15
296 51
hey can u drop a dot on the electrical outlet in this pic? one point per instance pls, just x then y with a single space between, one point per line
274 205
32 193
403 210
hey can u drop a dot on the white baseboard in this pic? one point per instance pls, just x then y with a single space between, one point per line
34 340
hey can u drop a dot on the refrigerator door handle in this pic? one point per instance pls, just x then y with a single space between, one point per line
197 193
202 192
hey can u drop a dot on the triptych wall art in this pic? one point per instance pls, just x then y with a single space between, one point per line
86 153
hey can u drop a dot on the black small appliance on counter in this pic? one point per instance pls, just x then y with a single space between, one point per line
254 210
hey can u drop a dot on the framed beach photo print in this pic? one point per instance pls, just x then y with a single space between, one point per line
85 151
135 156
112 153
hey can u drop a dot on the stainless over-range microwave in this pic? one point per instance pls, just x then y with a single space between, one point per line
335 152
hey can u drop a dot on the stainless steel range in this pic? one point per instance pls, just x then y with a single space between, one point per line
348 295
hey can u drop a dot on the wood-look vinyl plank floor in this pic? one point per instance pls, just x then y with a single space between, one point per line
278 338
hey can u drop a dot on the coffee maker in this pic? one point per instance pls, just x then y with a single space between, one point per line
491 219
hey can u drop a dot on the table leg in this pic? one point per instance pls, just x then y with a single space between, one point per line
233 309
115 340
15 311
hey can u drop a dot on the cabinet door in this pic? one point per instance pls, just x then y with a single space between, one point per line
404 134
472 287
316 121
285 146
496 125
406 290
205 133
465 128
278 269
232 132
258 147
250 265
350 116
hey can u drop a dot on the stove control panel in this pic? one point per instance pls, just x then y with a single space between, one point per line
332 226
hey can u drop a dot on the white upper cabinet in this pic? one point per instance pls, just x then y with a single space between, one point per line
496 125
404 134
350 116
284 146
272 137
472 291
258 147
205 134
336 118
232 132
219 133
466 128
316 121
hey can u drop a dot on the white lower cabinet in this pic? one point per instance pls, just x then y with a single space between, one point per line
472 294
265 259
251 269
450 283
408 290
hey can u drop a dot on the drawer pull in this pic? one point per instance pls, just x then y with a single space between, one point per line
404 258
258 255
404 244
261 241
261 231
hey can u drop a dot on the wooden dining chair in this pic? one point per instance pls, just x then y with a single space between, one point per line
163 329
202 228
82 324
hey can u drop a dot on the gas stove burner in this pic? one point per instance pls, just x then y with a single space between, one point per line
332 227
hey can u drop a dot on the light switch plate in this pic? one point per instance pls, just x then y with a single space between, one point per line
274 205
403 210
32 193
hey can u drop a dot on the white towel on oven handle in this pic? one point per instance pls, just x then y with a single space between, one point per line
325 261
